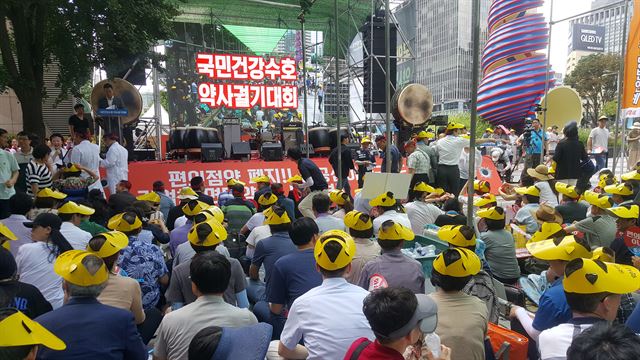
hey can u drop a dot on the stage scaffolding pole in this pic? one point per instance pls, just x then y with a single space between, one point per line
546 85
475 72
304 81
157 109
387 83
337 89
620 78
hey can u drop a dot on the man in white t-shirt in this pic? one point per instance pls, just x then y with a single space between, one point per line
598 143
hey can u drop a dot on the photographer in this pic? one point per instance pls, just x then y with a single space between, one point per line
533 139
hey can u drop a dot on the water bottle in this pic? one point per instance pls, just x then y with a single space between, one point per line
430 250
432 340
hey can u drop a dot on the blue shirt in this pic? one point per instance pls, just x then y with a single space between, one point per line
270 249
308 169
535 143
92 330
288 205
292 276
144 262
165 204
395 159
553 309
179 236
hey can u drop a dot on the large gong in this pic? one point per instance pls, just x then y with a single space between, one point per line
125 91
412 104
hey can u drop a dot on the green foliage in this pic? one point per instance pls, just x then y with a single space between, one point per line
610 108
164 99
594 79
465 118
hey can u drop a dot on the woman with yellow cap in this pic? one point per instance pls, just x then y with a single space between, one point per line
343 203
500 251
626 217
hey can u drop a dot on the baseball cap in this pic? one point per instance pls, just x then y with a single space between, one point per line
49 193
18 330
45 220
343 258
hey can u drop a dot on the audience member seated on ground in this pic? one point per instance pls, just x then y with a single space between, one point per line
87 224
205 236
500 250
593 290
71 215
421 211
320 206
453 214
462 319
16 294
385 207
599 228
90 329
399 319
620 193
258 233
185 251
530 203
72 183
152 199
289 205
153 231
626 217
186 194
360 228
393 267
46 201
197 184
269 250
100 205
227 195
263 183
166 203
214 342
238 210
210 273
28 337
327 318
541 177
122 199
605 342
481 283
292 276
35 260
179 233
120 291
343 203
265 201
141 260
19 205
570 207
553 309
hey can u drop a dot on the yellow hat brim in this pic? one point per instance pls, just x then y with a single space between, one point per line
217 235
619 189
490 213
6 232
344 257
468 265
69 266
396 232
115 241
18 330
567 250
452 235
624 212
547 230
591 278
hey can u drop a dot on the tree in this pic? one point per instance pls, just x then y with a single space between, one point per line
594 79
77 35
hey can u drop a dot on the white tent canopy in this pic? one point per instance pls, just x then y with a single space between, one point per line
164 115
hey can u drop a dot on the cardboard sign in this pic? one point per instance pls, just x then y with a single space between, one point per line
378 183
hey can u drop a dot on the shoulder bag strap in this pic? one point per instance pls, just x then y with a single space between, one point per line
355 355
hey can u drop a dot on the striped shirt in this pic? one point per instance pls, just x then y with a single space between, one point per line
38 174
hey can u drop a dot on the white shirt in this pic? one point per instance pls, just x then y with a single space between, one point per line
57 159
546 194
449 149
361 204
328 222
553 140
88 155
116 165
257 234
553 343
400 218
76 237
35 267
420 214
15 223
256 220
599 139
329 317
463 164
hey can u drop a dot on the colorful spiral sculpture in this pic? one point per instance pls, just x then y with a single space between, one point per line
514 74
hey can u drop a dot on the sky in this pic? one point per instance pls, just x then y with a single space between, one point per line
560 31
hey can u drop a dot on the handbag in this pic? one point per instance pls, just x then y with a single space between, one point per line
507 344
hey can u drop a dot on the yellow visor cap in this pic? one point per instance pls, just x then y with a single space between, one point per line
347 249
598 200
425 135
491 214
482 186
423 187
70 169
296 179
586 276
150 197
124 222
531 190
547 231
457 235
457 262
625 211
390 230
454 126
6 232
385 199
356 220
484 200
604 254
208 233
272 217
194 207
216 212
114 242
567 190
261 179
18 330
71 207
620 189
365 140
187 193
632 175
338 197
49 193
267 199
565 248
70 267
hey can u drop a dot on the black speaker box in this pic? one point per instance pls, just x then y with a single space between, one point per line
240 149
303 149
271 152
439 120
211 152
373 71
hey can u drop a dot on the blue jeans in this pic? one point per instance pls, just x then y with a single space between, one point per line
255 290
263 314
601 160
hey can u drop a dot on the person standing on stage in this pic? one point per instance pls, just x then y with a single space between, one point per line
313 179
396 158
346 162
115 161
365 159
87 155
110 102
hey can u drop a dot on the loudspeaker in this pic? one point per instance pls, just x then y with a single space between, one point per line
353 147
439 120
240 149
303 149
271 152
144 154
373 71
211 152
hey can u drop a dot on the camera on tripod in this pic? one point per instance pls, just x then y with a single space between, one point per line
526 135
